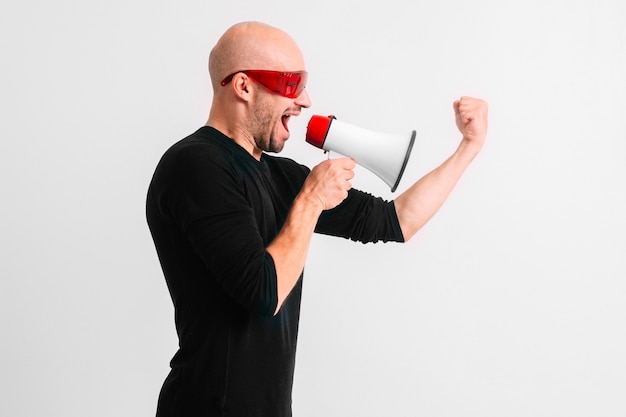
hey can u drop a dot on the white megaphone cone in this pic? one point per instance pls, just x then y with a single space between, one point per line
385 154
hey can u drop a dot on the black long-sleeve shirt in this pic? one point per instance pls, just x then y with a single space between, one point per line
212 210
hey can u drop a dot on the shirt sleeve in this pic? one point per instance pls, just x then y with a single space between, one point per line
363 218
208 203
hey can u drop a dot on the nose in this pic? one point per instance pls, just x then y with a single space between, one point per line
303 100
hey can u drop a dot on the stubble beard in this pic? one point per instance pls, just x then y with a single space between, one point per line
262 125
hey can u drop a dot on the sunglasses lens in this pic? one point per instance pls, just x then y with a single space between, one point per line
294 84
286 84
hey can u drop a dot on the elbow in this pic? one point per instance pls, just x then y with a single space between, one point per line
255 288
278 306
408 233
411 222
409 226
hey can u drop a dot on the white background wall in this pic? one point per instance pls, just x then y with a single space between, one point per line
509 303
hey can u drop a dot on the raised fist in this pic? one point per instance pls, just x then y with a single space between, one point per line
471 119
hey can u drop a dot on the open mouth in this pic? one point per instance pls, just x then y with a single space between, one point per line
285 120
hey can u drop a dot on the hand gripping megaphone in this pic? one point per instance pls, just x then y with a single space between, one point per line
384 154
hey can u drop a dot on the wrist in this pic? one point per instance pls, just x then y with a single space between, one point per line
470 147
308 203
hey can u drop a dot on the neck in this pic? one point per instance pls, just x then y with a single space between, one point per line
237 134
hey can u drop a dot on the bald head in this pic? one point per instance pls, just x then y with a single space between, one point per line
253 45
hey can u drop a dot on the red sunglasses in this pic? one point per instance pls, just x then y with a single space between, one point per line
286 84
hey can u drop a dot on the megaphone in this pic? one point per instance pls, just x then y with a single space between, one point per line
384 154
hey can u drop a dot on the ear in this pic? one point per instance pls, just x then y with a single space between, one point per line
241 86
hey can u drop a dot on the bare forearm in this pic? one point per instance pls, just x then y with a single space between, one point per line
289 248
326 186
417 205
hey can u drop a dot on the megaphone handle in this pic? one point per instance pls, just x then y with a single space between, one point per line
327 154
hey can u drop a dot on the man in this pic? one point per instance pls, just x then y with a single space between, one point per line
232 226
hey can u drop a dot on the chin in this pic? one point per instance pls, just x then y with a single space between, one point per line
279 144
276 147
